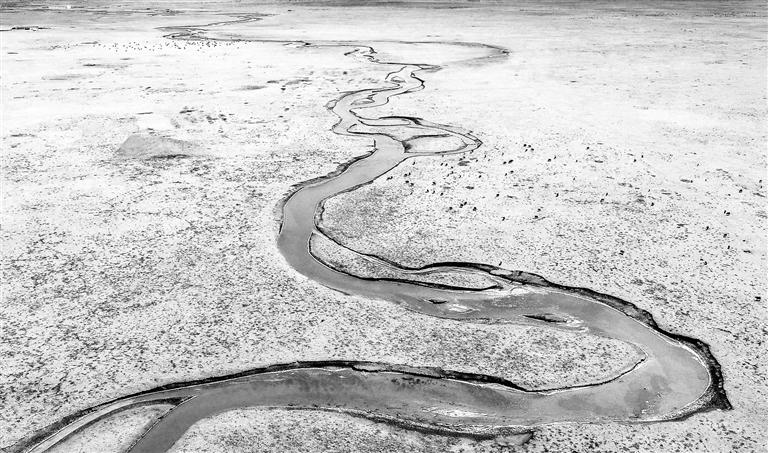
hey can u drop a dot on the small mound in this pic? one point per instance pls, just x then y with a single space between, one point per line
146 146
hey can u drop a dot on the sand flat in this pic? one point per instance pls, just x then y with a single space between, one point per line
643 179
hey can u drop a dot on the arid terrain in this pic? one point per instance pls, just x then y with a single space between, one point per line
145 166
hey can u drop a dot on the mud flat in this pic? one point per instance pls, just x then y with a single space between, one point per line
233 198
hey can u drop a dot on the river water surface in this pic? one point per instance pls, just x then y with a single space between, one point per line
676 376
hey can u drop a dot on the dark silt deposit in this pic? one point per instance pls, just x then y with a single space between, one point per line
676 377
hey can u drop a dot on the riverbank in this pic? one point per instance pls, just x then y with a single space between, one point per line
137 253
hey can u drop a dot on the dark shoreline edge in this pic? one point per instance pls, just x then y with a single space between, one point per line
361 366
714 399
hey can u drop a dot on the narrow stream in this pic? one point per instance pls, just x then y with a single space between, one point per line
676 377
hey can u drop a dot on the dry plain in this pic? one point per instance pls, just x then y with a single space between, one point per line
624 150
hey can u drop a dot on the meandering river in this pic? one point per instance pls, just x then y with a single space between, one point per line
676 376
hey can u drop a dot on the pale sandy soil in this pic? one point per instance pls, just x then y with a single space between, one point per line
121 273
645 180
276 431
